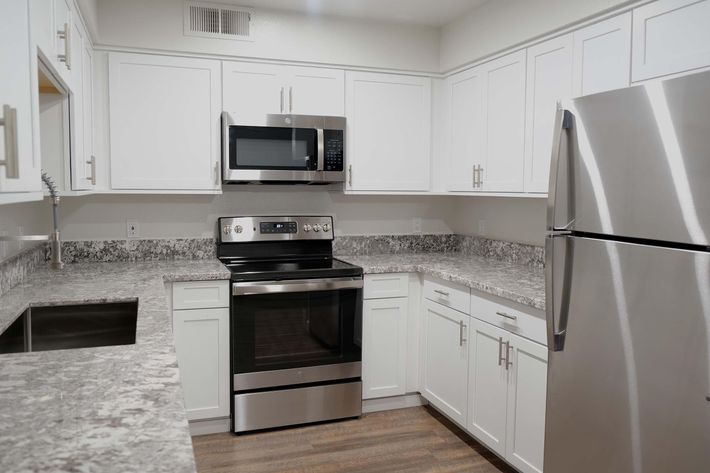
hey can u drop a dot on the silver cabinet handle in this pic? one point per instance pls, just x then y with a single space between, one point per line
350 175
295 285
462 328
65 34
443 293
507 316
475 176
92 162
290 99
282 100
500 351
9 124
480 176
508 363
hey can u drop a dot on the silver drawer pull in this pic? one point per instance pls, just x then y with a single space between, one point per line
443 293
508 348
462 329
500 351
9 123
507 316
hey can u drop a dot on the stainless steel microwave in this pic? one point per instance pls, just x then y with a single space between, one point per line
292 149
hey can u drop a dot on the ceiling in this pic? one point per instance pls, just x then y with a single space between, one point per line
417 12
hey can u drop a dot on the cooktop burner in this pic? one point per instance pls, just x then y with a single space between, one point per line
263 270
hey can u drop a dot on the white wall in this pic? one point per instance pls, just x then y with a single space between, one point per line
158 24
165 216
30 218
504 218
501 24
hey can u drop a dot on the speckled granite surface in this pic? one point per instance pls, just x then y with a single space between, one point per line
109 409
528 255
17 268
513 281
395 244
163 249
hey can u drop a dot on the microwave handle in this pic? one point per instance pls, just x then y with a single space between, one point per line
321 150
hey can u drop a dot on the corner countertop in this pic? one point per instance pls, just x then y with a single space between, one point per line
513 281
107 409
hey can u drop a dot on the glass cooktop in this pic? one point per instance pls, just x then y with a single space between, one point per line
261 270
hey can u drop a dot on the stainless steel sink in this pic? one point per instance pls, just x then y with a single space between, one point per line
71 326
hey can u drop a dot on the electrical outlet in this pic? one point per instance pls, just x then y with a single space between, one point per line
417 225
481 227
132 229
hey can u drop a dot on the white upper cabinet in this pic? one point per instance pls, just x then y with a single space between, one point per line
445 359
19 170
527 396
65 37
316 91
504 102
164 122
389 131
384 347
253 90
466 128
549 80
602 56
670 36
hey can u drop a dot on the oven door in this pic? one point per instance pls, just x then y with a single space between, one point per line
296 331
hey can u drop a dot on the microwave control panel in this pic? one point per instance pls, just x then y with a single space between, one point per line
333 150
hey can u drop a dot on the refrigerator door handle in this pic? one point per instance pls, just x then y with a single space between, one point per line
557 322
563 121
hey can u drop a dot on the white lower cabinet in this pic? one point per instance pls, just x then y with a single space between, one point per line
202 346
527 394
445 359
507 395
384 347
487 385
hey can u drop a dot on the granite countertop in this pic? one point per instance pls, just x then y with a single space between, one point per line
107 409
513 281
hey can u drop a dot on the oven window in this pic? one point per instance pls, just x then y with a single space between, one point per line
274 148
290 330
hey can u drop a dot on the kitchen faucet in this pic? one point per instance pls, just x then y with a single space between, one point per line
55 261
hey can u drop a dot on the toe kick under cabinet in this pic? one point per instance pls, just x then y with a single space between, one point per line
484 365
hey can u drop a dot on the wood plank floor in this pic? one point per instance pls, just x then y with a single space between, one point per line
417 439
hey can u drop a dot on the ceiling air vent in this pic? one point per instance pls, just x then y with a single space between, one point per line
216 20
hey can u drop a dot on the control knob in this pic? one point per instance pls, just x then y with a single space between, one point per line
226 229
326 227
238 229
316 227
307 228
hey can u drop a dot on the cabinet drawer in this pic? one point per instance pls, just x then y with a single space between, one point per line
526 322
200 294
449 294
381 286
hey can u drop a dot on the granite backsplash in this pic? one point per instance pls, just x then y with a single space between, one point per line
17 268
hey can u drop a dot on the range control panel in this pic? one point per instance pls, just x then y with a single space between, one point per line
247 229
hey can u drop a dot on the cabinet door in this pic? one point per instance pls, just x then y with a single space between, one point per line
549 80
16 102
202 346
316 91
43 30
251 91
466 128
89 164
505 124
526 405
445 359
488 385
78 120
384 350
670 36
602 56
389 131
164 122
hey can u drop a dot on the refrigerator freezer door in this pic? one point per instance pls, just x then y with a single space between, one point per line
641 162
629 392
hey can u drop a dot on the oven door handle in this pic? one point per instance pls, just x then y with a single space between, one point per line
296 285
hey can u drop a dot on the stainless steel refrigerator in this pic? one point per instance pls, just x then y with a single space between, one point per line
628 282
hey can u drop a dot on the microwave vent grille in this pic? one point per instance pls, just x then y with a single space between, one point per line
215 20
